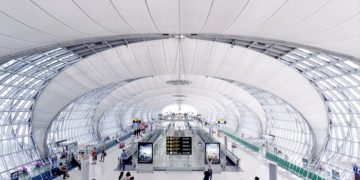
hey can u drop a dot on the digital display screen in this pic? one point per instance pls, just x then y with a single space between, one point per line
145 152
212 151
178 145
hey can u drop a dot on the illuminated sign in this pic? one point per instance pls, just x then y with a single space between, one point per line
178 145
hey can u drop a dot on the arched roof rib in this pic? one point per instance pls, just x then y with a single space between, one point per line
291 131
254 68
320 24
158 95
74 122
200 84
328 28
143 90
121 111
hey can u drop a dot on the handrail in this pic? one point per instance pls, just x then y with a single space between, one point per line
245 143
107 145
233 157
293 168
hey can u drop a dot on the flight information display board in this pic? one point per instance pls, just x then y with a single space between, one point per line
178 145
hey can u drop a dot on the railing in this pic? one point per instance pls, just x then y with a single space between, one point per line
112 143
48 171
243 142
292 168
232 157
288 166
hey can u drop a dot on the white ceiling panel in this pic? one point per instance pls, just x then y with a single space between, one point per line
71 15
252 68
330 25
222 15
255 15
168 23
136 13
100 12
193 15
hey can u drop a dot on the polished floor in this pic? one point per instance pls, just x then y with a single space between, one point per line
252 165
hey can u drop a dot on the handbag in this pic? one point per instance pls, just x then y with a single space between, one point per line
104 153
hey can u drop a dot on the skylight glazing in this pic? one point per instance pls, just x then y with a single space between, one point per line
74 122
21 81
110 121
292 133
338 81
249 122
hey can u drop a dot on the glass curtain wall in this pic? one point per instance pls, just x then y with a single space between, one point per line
292 133
21 82
249 122
338 81
74 122
109 123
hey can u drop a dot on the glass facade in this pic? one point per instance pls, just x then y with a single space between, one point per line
249 122
292 135
110 121
21 81
338 81
75 122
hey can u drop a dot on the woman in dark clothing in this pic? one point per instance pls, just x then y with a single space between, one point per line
206 175
102 154
121 175
74 162
64 170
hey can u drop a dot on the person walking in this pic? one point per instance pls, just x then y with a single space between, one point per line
75 162
206 175
94 156
123 158
121 177
210 169
103 153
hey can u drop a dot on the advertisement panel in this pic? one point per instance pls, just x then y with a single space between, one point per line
145 152
212 151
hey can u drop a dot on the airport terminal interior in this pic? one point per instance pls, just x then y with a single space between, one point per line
180 89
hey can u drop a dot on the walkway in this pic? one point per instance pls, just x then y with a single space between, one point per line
252 165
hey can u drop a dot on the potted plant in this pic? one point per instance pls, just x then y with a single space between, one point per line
37 165
234 145
23 172
63 155
320 167
279 152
